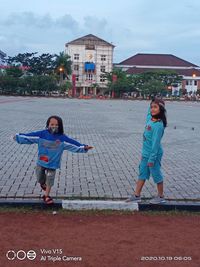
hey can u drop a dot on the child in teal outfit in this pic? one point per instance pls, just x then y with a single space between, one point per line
152 151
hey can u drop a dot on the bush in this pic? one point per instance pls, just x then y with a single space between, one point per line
26 85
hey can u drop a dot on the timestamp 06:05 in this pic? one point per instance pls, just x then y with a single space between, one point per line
166 258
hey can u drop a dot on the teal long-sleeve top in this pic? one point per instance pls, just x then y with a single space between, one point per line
152 136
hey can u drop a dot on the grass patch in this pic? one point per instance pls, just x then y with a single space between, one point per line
49 210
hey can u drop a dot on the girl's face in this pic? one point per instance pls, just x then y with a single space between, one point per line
53 126
155 109
53 123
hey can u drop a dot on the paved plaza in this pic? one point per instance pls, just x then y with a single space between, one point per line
114 128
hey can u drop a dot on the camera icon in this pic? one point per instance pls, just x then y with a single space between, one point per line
20 255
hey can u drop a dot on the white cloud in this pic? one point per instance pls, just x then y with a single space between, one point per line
133 26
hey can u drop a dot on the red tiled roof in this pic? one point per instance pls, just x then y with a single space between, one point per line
184 72
156 60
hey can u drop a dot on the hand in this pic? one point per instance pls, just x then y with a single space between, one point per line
150 164
13 137
88 147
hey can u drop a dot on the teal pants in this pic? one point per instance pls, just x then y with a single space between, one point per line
145 171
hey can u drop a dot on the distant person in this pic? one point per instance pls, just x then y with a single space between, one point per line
51 143
152 152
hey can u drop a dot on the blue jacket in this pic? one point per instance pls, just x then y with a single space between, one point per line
152 136
50 146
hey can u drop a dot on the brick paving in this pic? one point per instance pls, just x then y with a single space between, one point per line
114 128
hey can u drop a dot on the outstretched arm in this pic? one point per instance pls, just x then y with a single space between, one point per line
72 141
148 117
28 138
76 149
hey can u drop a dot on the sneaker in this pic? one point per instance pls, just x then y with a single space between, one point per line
133 198
157 200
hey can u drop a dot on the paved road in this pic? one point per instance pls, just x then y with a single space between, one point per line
115 129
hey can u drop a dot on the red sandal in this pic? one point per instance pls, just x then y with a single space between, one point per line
48 200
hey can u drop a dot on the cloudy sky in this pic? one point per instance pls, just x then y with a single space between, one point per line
133 26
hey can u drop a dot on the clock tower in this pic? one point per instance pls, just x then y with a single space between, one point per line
91 57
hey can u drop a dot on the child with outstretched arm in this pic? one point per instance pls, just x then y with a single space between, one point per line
51 143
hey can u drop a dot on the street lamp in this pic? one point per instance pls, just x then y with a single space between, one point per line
193 75
61 74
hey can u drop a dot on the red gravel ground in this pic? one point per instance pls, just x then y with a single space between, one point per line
101 240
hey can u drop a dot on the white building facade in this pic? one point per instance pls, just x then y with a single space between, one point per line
91 57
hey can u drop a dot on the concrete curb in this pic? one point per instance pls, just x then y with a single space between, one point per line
98 205
101 205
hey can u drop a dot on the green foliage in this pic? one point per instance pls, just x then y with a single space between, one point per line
42 64
22 59
39 65
63 61
122 84
39 74
14 71
65 87
151 82
198 92
8 84
38 84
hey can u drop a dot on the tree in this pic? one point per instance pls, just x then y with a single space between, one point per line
152 87
40 84
65 87
63 64
121 84
44 71
44 64
22 59
14 71
10 84
153 82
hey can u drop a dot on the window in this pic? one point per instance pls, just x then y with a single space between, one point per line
89 77
103 57
103 68
77 78
89 47
76 56
189 82
76 67
102 78
195 83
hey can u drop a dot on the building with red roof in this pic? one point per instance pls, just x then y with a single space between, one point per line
141 63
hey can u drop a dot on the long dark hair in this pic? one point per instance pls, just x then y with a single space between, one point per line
162 114
60 123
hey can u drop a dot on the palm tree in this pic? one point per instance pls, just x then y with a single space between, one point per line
63 64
